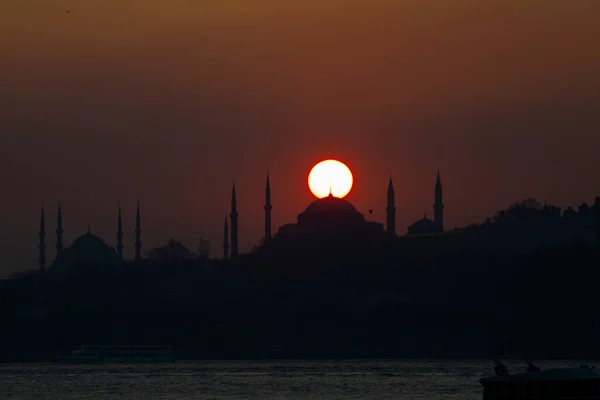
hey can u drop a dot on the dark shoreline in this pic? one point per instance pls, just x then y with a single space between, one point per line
188 359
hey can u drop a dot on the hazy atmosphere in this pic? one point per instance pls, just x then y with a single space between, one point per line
173 100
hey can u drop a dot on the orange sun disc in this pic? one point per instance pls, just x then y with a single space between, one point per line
330 177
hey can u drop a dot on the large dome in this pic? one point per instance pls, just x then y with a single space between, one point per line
423 223
89 241
424 226
87 251
330 204
330 211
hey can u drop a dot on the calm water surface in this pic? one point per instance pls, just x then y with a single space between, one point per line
362 379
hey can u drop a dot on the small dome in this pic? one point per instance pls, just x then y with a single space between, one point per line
330 204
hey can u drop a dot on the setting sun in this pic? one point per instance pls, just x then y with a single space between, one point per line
330 176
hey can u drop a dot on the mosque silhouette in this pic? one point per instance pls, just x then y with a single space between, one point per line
325 221
332 219
88 250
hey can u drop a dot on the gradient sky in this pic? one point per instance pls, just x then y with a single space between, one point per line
171 100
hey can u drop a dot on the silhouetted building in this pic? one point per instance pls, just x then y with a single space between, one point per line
551 211
42 245
426 226
88 248
203 249
569 213
138 235
268 208
391 210
584 209
331 218
234 225
87 252
581 225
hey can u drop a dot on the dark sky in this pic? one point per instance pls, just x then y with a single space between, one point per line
171 100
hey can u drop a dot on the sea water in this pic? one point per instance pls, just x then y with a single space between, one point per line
285 379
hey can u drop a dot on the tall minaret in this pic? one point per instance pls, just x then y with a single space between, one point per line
42 246
268 208
438 207
120 235
59 232
234 225
138 235
225 241
391 210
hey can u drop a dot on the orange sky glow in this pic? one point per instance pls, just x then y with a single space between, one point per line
172 100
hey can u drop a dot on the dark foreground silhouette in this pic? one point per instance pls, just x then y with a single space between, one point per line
316 304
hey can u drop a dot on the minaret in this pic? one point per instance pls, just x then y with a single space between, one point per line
391 210
59 232
120 235
138 235
234 225
268 208
225 241
438 207
42 246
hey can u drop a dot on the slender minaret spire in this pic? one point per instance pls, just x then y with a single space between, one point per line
138 234
391 210
42 246
120 235
234 225
225 241
268 208
59 232
438 207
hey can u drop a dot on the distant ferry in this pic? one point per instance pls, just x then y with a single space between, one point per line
579 383
119 354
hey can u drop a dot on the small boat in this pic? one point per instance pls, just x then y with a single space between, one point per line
98 354
572 383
